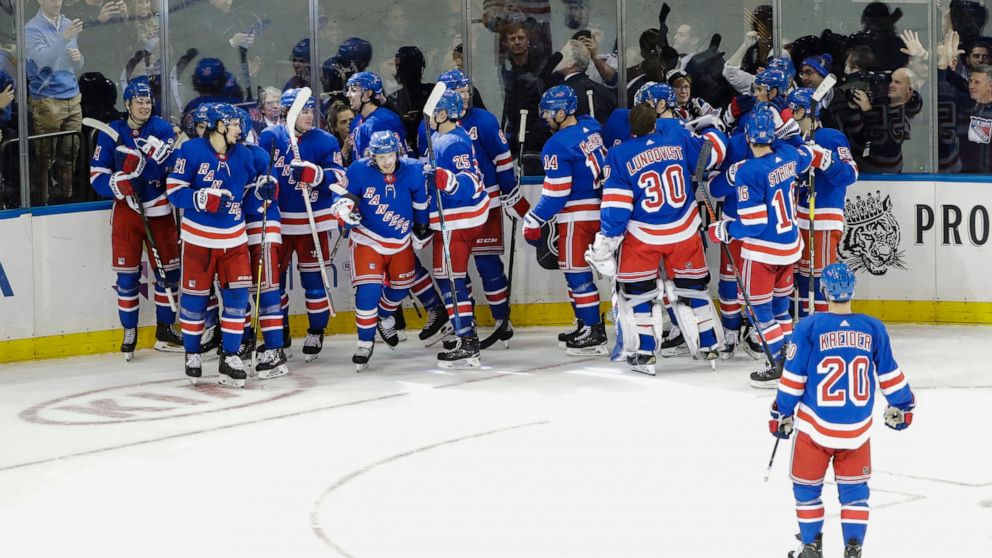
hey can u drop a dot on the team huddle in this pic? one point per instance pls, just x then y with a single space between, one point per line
627 209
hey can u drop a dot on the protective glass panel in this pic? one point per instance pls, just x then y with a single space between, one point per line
406 43
10 194
881 54
520 48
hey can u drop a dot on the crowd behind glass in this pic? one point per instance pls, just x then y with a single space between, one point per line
895 66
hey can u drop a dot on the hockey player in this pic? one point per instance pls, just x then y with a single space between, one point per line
459 206
826 393
766 226
317 170
262 220
496 164
650 214
385 203
366 98
132 170
365 95
573 165
208 182
828 191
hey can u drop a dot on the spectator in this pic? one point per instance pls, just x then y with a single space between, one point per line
269 110
650 68
604 70
978 53
410 98
218 29
522 88
687 107
811 74
334 74
339 118
969 148
878 35
572 72
53 56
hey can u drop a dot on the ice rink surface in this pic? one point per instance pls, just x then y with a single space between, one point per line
537 454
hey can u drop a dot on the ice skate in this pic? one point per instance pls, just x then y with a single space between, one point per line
814 550
674 344
400 324
437 326
503 332
729 348
129 343
287 342
710 355
168 339
465 355
210 342
752 344
386 328
247 346
271 364
589 341
313 343
232 371
362 355
642 363
768 377
853 549
194 367
564 337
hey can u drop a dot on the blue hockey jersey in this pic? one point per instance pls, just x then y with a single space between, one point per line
149 187
573 174
198 166
648 191
617 128
318 147
724 184
831 185
832 367
362 128
766 223
254 206
389 204
468 205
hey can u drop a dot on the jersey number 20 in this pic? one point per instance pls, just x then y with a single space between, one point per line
661 188
858 389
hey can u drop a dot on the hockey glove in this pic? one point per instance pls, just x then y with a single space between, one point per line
515 205
532 229
780 426
445 181
267 188
600 254
821 157
732 171
899 418
131 161
212 200
705 121
306 173
120 185
422 235
156 149
344 209
718 232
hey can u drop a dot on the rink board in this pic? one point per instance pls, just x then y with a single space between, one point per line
920 248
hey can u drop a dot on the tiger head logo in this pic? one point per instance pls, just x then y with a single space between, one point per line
872 236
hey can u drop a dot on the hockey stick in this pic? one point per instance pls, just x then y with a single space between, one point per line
704 155
429 109
262 255
772 459
294 112
488 341
821 91
112 134
245 73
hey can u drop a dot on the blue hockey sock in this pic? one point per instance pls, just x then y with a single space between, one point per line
127 299
318 310
494 284
367 309
232 321
423 287
809 510
585 296
192 315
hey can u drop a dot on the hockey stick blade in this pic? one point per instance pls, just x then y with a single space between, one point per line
825 86
294 111
102 126
431 105
702 162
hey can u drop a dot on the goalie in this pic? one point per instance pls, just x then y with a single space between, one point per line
649 212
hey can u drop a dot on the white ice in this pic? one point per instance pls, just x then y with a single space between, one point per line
537 454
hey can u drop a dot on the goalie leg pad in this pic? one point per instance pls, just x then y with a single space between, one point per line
694 291
641 297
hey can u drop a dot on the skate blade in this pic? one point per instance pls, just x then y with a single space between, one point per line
311 358
445 331
361 367
276 372
770 384
230 382
166 347
506 343
713 365
192 379
647 369
600 350
463 364
128 357
678 351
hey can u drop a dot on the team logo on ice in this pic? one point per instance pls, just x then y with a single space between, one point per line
872 236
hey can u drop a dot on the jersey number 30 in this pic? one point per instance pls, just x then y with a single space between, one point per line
858 389
661 188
